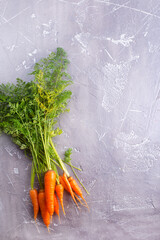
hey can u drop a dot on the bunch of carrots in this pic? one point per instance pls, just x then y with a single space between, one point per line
47 200
29 112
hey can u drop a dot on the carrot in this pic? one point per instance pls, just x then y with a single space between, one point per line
49 182
63 183
56 206
65 187
59 191
44 212
76 188
34 198
69 188
79 200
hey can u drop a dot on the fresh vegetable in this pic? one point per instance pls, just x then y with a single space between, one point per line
66 188
63 183
69 187
34 198
44 212
56 205
29 113
49 182
60 190
76 188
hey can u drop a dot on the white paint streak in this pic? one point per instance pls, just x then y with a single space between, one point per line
153 48
139 155
33 15
83 39
116 9
18 67
12 48
4 11
100 135
10 150
45 33
130 8
132 202
91 185
145 34
116 79
46 25
10 182
18 14
135 110
124 40
125 115
47 28
34 51
1 150
13 151
109 55
16 170
74 3
26 38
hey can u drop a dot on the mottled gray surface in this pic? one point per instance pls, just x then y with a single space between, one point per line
114 122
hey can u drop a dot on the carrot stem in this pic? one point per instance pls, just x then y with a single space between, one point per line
72 166
55 169
32 176
44 139
79 180
59 159
56 163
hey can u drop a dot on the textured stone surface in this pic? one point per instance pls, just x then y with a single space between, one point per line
113 125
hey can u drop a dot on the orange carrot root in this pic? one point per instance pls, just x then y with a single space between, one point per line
60 190
44 211
63 183
49 182
76 189
34 198
69 188
56 205
79 200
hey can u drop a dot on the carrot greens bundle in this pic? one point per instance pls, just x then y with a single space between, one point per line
29 112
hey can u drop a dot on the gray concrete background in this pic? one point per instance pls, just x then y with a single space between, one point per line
114 122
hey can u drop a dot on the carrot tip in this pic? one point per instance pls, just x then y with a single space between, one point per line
78 207
48 229
63 211
59 218
85 202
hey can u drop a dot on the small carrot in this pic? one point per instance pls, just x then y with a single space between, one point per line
79 200
63 183
34 198
69 188
49 182
60 190
65 187
76 188
56 206
44 212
